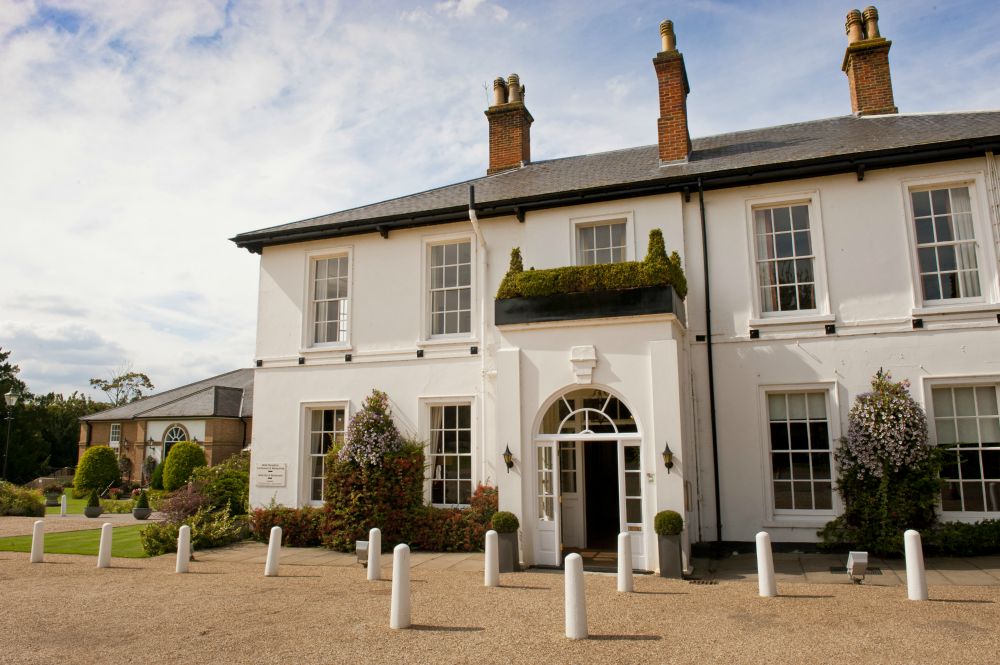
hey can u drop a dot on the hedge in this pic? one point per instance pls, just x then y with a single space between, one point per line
182 460
657 269
17 501
97 470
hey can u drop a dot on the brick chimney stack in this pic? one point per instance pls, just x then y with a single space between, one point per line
510 126
866 64
672 126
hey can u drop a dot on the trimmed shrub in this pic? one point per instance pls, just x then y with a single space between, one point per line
156 478
183 459
668 523
300 527
117 506
227 485
888 475
963 539
142 501
97 470
505 522
657 269
16 501
208 529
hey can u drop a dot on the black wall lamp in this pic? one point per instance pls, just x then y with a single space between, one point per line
668 457
508 458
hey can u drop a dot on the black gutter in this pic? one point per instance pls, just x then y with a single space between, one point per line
255 241
711 364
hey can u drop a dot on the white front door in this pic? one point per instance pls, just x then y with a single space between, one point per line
548 545
630 499
571 484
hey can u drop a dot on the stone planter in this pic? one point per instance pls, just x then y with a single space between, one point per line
93 511
510 559
597 304
671 560
52 499
142 513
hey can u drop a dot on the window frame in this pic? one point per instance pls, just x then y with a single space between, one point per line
305 428
790 517
312 257
430 241
113 441
955 381
821 294
426 404
576 223
984 241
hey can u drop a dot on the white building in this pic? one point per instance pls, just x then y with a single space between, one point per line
834 248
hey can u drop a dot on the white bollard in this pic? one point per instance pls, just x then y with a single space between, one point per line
183 549
62 506
399 609
916 577
765 566
625 582
38 542
374 555
273 552
576 600
491 575
104 553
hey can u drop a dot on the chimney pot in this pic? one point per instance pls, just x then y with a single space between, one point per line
871 22
855 31
668 40
510 126
499 91
514 88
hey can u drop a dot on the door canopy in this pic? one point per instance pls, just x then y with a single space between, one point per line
588 411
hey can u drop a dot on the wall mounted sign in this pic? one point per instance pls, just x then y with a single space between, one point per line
271 475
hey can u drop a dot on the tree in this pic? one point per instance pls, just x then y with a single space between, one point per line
124 386
8 376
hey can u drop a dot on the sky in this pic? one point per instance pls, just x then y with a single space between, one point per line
137 137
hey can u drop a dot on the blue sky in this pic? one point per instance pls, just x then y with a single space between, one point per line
138 136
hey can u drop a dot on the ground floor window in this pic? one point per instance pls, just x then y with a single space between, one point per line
451 454
800 452
327 428
174 434
967 425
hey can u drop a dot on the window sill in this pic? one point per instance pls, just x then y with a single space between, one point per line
331 348
818 319
811 521
447 342
957 308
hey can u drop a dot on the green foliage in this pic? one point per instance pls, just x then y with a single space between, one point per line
888 476
300 527
17 501
119 507
668 523
227 485
372 434
156 478
97 470
208 529
142 501
505 522
657 269
963 539
516 263
184 457
94 500
124 386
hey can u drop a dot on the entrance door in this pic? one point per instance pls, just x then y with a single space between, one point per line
630 502
572 490
548 545
603 517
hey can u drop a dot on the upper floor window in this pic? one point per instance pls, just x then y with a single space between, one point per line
946 243
785 259
330 299
600 243
800 451
967 425
115 437
451 288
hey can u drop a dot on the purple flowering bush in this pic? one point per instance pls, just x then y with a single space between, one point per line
371 434
887 473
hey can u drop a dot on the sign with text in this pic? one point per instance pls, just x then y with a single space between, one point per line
271 475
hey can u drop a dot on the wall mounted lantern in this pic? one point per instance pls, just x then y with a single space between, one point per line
668 457
508 458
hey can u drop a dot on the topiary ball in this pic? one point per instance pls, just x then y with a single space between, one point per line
668 523
505 522
182 460
97 470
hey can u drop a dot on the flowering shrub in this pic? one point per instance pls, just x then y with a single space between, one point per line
371 435
888 475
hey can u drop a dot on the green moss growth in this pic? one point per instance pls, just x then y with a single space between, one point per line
657 269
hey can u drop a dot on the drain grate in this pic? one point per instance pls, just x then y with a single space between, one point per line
705 582
842 570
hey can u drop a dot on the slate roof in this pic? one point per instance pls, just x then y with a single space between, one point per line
228 395
847 140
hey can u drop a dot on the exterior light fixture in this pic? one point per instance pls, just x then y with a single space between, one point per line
668 457
508 458
11 399
857 566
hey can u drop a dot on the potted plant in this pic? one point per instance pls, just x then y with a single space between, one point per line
668 525
52 493
93 508
141 509
506 525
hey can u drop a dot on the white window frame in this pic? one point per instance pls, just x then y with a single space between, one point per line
426 338
791 517
810 199
115 441
985 255
600 220
954 381
424 427
305 456
308 342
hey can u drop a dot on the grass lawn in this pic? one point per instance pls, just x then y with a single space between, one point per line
124 542
73 506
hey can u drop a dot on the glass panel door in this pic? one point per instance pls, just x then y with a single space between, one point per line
547 543
630 493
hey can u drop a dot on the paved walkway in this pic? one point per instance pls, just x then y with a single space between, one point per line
810 568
